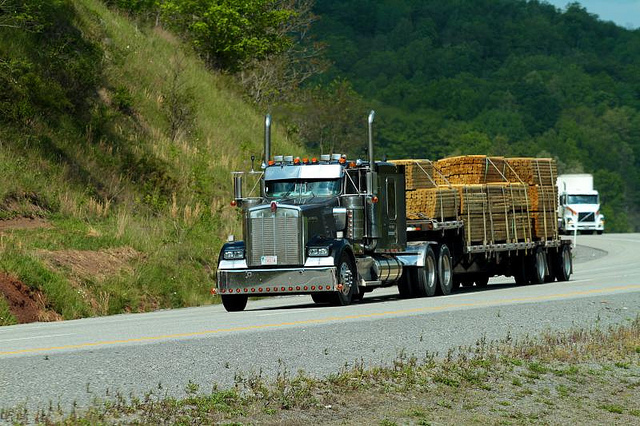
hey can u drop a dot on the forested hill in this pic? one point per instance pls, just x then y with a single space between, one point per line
504 77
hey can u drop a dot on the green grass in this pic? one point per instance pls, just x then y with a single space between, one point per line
6 318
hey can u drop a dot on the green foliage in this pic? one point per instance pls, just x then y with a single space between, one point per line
497 77
6 318
230 31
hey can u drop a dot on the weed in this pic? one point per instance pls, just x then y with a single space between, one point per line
612 408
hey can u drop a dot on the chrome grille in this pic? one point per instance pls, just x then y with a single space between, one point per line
274 237
586 217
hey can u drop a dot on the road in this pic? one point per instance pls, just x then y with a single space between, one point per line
75 361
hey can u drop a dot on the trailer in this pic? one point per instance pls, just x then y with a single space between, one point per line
336 228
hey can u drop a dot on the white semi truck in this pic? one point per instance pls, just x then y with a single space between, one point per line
578 205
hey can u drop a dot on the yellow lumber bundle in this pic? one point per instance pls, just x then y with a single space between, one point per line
533 171
434 203
418 174
471 169
499 199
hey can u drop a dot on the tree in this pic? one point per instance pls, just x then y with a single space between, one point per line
230 32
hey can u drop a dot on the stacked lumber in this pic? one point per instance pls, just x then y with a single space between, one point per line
533 171
471 170
500 200
544 202
418 174
433 203
495 213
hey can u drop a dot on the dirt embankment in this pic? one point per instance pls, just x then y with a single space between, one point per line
25 303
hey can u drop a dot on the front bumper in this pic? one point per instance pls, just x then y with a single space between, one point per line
276 281
582 226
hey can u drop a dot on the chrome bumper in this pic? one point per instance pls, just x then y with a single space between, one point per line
276 281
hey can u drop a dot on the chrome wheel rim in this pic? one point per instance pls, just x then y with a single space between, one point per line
431 272
346 278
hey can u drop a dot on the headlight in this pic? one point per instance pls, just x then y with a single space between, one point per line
318 251
233 254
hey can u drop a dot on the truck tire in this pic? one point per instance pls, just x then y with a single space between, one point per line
445 270
346 275
537 266
235 303
562 264
424 279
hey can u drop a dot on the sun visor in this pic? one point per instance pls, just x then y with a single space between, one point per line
306 172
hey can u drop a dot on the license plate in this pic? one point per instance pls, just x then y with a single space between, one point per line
269 260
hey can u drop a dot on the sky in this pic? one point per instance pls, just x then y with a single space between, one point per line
625 13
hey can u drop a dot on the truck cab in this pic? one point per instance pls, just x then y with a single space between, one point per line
578 205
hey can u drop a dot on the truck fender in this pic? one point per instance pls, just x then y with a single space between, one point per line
231 244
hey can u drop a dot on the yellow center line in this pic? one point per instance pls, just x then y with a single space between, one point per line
325 320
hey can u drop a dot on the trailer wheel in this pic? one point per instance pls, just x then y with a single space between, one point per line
235 303
424 279
562 264
537 266
445 270
346 277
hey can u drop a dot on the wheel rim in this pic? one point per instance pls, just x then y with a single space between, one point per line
431 272
540 269
566 262
345 278
445 264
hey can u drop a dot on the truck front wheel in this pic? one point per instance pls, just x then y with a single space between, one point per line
235 303
346 282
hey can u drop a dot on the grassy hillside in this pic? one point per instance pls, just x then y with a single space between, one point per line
116 147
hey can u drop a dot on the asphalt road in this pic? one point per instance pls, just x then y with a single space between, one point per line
76 361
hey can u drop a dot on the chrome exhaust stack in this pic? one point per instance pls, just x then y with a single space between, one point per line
267 140
372 115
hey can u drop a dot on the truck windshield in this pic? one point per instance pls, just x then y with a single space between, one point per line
298 188
582 199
